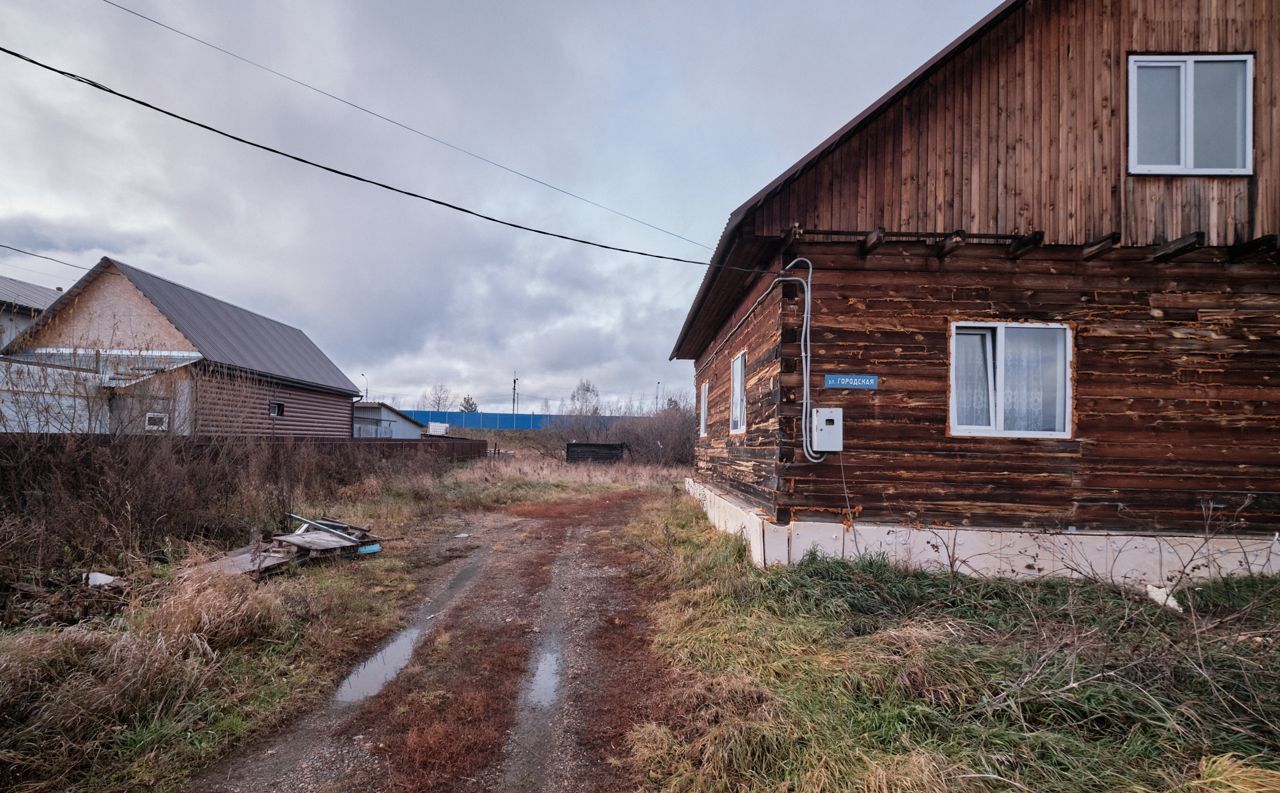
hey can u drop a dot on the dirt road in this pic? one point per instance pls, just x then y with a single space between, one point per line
522 671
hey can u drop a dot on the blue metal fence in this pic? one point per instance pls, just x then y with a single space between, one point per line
458 420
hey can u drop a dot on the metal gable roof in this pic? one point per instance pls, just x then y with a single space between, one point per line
236 337
26 295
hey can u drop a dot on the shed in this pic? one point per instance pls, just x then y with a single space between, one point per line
608 453
380 420
1018 306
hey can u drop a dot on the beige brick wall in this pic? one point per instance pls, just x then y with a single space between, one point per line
111 314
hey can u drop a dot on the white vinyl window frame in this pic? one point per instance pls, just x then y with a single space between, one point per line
156 422
702 410
1185 64
995 382
738 394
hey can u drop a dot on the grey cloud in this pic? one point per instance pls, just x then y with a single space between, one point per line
672 112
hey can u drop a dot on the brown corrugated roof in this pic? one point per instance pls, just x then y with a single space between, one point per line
236 337
224 334
860 120
26 295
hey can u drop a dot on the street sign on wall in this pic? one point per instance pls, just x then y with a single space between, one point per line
869 381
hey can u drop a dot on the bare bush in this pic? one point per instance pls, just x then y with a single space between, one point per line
653 437
70 501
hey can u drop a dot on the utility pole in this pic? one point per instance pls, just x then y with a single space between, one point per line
514 397
656 389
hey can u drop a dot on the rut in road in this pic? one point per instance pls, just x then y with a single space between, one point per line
527 679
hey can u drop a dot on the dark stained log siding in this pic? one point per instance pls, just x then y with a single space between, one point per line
1176 398
1027 129
745 463
238 406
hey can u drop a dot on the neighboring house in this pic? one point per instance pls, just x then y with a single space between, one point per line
1044 296
380 420
20 304
149 355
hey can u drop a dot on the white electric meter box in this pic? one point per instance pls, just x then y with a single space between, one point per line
827 434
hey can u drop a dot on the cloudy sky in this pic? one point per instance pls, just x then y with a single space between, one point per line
672 112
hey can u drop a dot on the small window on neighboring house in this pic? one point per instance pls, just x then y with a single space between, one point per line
275 408
702 412
1011 380
738 396
1191 114
157 422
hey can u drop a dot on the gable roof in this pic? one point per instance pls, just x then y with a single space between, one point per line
730 234
26 295
223 333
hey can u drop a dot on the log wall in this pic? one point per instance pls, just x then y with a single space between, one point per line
1026 128
1176 394
746 463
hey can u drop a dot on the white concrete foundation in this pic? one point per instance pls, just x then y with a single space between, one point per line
1125 558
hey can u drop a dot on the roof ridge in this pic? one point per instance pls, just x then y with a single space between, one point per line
123 267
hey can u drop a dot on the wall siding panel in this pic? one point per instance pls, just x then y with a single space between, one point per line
228 405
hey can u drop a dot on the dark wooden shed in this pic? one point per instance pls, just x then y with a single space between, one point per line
575 452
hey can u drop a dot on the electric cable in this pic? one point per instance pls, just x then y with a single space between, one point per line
337 171
805 283
41 256
402 125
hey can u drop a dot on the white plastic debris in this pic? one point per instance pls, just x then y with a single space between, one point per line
1163 597
99 579
462 536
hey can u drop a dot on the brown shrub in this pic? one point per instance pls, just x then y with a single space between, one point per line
76 502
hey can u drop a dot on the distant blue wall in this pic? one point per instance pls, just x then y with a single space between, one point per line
458 420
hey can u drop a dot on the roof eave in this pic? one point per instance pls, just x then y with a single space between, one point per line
352 393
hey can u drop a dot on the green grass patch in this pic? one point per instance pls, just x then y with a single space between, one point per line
864 676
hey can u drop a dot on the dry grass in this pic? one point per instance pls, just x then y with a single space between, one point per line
190 666
1230 774
861 676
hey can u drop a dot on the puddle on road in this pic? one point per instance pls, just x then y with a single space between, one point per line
544 688
381 668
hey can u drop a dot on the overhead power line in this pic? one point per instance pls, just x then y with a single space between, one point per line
338 171
42 256
401 124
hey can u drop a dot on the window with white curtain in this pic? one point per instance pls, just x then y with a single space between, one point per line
1191 114
702 411
1011 380
738 395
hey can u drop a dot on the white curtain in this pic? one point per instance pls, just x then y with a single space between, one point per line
1034 397
973 389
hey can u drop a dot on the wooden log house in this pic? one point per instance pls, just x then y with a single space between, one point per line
1045 291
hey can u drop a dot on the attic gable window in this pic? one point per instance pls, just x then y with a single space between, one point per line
1010 380
1191 114
275 408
